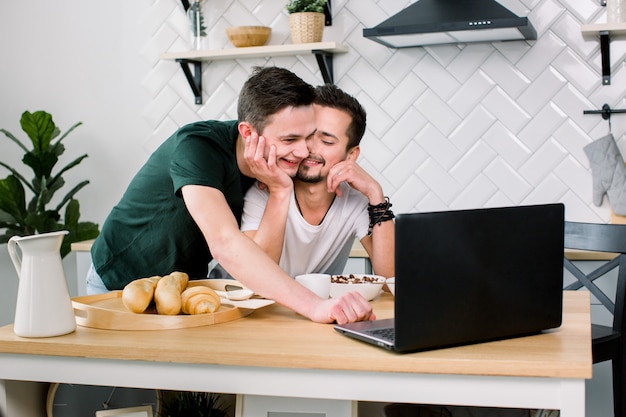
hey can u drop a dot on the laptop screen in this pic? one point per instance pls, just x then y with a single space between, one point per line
476 275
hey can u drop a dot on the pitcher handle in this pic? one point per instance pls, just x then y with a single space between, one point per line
15 256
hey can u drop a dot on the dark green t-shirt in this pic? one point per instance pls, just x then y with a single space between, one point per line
150 232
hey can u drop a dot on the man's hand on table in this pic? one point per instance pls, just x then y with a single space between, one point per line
348 308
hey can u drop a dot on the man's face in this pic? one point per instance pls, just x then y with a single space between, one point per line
288 130
328 146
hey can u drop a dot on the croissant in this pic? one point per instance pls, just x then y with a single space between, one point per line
200 300
167 294
137 295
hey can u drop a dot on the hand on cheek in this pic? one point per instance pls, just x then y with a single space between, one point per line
335 178
271 158
251 143
259 152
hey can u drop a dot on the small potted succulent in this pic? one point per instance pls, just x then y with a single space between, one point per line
306 20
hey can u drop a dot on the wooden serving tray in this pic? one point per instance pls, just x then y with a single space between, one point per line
106 311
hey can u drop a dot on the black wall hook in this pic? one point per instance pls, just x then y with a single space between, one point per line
605 112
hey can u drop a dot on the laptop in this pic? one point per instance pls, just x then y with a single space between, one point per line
471 276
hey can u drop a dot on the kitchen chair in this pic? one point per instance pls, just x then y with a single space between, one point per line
607 341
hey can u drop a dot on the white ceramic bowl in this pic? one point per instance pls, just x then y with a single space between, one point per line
357 282
391 284
318 283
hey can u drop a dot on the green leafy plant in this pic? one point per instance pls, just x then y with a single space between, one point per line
298 6
19 218
191 404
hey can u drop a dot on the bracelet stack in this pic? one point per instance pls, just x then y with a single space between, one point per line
379 213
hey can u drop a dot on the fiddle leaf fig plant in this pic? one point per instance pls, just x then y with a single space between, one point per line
299 6
24 204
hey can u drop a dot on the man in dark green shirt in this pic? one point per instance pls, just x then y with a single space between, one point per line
183 207
150 232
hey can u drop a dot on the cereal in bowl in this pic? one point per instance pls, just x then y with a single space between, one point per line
353 279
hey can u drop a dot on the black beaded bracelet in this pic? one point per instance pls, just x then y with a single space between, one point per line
379 213
377 208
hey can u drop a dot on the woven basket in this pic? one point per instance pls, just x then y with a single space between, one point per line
306 27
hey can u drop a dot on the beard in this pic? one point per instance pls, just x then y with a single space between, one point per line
304 175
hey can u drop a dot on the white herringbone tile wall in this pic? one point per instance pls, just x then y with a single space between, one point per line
449 126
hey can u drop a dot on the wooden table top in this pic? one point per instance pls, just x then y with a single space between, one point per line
277 337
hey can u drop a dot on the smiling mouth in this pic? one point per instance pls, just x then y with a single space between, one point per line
312 162
294 162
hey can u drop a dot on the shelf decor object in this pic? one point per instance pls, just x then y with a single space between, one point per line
323 51
247 36
196 24
306 20
306 27
605 31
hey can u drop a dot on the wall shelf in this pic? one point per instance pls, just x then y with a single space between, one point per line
605 31
323 51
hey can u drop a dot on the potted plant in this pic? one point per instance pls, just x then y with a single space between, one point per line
194 404
22 217
306 20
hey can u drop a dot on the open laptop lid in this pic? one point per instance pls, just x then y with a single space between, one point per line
476 275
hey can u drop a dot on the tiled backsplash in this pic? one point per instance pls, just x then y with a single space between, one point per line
449 126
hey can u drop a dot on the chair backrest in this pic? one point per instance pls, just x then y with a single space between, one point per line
594 237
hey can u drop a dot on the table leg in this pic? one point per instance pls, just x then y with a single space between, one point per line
573 399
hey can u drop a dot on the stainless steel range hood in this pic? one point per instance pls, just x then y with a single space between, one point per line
428 22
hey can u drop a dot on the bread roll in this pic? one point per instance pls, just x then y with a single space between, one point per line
137 295
182 278
200 300
167 295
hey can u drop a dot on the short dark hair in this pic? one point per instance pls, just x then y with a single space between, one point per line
268 91
329 95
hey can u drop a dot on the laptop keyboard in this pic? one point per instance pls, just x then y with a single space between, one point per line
385 334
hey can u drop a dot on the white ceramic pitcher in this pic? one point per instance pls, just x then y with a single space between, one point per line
44 307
